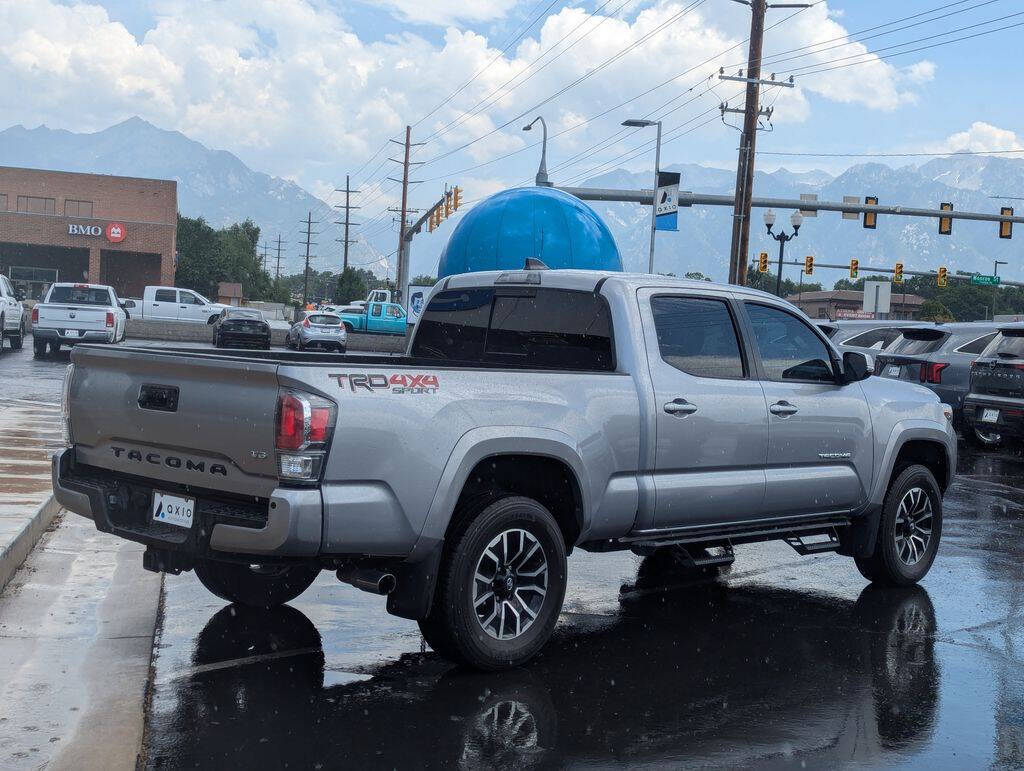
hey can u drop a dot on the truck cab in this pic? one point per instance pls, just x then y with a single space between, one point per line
377 317
168 303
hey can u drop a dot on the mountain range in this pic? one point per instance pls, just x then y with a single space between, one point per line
218 186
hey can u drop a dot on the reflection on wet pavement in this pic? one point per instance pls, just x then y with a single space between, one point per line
784 661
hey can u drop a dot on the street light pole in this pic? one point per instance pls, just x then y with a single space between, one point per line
654 190
542 171
995 287
782 237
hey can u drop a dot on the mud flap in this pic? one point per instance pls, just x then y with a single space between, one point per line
858 539
414 582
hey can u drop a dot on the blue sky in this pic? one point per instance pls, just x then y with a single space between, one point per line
312 89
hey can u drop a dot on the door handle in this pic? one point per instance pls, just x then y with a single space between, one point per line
783 409
680 407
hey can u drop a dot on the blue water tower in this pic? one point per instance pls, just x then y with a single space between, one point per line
501 232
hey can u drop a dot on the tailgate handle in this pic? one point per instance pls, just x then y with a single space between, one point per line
158 397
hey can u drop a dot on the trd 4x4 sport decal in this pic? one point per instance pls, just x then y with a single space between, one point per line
396 384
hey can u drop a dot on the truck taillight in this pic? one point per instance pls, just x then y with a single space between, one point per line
35 315
65 405
304 427
110 319
931 371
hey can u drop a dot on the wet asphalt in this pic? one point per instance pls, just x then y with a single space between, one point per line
780 661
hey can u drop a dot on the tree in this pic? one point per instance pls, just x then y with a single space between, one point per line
858 285
696 275
423 280
933 310
207 257
766 283
351 285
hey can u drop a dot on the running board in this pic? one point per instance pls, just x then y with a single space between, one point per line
804 548
747 532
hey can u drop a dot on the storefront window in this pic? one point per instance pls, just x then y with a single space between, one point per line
34 205
74 208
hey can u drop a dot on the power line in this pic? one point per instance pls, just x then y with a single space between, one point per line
892 155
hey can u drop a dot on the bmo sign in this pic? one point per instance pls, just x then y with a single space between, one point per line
115 232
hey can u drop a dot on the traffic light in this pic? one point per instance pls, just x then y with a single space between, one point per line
1006 228
945 223
808 265
870 217
943 277
854 268
447 204
897 274
456 198
762 262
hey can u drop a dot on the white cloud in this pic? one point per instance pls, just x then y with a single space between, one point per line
980 137
290 87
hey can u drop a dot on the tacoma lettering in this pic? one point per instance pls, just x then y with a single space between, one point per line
171 461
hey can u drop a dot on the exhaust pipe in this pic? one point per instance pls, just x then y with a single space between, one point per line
369 580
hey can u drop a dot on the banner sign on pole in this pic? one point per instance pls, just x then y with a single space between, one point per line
666 201
417 298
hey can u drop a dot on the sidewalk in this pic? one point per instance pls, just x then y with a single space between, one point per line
29 433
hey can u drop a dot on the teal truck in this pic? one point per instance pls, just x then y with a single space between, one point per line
380 318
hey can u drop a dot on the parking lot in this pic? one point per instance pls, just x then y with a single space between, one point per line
781 660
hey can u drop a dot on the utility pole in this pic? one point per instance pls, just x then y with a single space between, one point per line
277 275
305 275
402 269
748 136
264 246
347 223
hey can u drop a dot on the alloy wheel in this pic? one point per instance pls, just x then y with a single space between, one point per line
913 531
510 583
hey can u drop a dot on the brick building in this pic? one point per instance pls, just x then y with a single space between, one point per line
63 226
848 304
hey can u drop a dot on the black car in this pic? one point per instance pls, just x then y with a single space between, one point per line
994 407
241 328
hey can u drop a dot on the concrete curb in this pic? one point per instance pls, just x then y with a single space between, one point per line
14 554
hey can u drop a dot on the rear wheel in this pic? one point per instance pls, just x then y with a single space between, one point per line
38 348
500 587
54 346
982 438
2 334
257 586
908 531
18 340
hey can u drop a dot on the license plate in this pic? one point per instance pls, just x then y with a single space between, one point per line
893 371
173 509
990 416
72 333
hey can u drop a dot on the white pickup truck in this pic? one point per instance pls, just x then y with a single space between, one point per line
77 313
168 303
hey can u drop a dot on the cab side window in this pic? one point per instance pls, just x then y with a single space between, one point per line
395 312
790 350
187 298
697 336
375 311
164 296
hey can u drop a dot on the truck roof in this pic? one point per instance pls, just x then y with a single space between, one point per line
587 280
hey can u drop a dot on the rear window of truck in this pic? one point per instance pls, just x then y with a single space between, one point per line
513 326
79 295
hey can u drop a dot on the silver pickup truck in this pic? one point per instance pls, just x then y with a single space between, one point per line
535 412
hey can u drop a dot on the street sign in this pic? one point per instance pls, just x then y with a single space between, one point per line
978 280
666 201
851 215
811 198
877 296
850 313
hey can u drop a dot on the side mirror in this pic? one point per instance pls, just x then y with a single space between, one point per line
856 366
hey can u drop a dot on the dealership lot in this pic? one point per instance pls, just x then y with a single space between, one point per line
782 659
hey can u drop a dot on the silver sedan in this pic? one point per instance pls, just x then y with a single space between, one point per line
318 330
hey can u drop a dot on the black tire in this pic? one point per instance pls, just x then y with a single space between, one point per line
341 349
216 340
453 628
18 340
38 348
349 329
886 565
213 319
255 586
3 335
54 346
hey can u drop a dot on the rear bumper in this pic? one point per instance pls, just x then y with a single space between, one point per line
244 339
60 336
287 524
1011 415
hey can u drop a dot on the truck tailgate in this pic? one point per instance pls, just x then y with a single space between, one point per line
199 420
72 317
